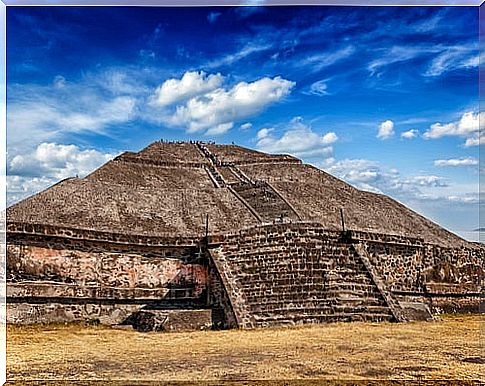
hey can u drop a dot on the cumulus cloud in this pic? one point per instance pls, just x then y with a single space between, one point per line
386 130
469 161
263 133
372 176
354 171
475 141
215 111
57 161
428 181
299 139
467 127
19 187
410 134
48 163
246 126
191 84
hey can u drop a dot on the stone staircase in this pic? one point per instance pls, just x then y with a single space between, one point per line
296 275
266 204
265 201
211 169
240 174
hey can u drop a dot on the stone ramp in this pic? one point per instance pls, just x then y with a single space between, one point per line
286 274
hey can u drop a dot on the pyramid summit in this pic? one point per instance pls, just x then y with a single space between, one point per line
235 237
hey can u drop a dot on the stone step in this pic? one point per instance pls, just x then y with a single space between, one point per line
353 293
292 284
271 246
311 297
318 277
321 307
337 317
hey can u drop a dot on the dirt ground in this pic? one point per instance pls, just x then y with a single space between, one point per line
446 349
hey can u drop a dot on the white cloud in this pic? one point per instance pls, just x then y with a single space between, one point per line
319 88
49 113
191 84
469 161
355 171
246 126
19 187
263 133
445 58
52 160
410 134
467 126
475 141
299 140
220 129
465 199
428 181
453 58
59 81
399 54
218 109
373 177
47 164
386 130
322 60
248 50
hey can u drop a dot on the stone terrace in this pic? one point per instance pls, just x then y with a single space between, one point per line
291 274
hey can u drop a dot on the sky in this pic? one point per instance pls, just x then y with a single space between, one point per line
385 98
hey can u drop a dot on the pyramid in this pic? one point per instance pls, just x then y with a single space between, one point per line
256 239
169 188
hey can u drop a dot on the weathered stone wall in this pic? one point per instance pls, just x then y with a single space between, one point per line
295 273
109 314
32 313
411 265
62 275
102 268
298 273
223 312
269 274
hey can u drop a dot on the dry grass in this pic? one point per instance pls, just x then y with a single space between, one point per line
446 349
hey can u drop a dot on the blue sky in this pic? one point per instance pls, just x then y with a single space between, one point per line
384 98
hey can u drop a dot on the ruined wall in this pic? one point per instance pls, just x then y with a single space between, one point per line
59 274
222 310
411 265
125 270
